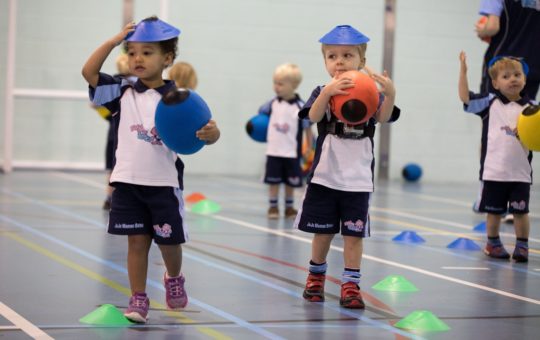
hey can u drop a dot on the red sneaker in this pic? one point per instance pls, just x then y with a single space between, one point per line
521 254
314 290
497 251
351 296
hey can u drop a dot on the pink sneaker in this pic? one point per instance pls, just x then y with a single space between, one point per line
138 308
175 294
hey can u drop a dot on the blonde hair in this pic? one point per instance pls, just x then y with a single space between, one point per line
122 65
290 72
361 49
505 63
184 75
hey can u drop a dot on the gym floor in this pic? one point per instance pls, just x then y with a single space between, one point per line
245 274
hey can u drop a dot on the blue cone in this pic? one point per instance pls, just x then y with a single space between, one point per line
480 227
463 243
408 237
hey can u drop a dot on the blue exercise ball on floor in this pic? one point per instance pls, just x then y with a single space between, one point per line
257 127
412 172
179 115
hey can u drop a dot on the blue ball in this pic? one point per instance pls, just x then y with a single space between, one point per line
412 172
179 114
257 127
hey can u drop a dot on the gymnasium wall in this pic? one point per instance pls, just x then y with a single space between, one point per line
235 46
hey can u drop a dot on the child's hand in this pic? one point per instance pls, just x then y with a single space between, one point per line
338 85
209 133
117 39
385 83
463 62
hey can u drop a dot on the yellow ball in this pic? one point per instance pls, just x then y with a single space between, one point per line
529 127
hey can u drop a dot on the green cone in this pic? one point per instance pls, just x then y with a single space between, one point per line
106 314
205 207
395 283
422 320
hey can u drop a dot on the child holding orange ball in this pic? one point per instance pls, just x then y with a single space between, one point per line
341 179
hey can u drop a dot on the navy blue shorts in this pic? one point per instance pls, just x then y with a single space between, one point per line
155 211
498 197
283 170
327 211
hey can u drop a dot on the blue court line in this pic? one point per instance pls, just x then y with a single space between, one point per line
463 255
295 294
159 285
152 283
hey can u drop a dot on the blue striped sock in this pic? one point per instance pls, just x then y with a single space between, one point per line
351 275
317 268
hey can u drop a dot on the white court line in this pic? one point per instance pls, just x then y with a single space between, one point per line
440 199
439 221
387 262
376 259
22 323
464 268
80 179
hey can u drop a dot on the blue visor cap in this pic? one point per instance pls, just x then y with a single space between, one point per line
344 35
523 63
152 31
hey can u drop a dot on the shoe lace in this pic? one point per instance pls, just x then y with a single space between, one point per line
175 287
139 301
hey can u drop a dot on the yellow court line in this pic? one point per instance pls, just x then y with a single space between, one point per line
435 231
112 284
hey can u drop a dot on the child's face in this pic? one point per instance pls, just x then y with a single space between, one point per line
284 87
342 58
147 61
510 82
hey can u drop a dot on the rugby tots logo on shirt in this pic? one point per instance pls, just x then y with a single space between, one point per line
283 128
143 134
509 131
164 231
357 226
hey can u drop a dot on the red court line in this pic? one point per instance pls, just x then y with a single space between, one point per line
368 297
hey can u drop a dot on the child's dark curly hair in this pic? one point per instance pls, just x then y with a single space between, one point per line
167 46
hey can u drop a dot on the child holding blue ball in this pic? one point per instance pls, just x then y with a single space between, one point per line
147 202
340 182
284 139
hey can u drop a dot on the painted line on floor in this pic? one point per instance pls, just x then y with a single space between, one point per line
152 283
438 221
114 285
380 260
23 324
296 294
465 268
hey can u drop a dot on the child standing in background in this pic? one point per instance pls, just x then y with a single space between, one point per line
184 75
505 163
147 202
341 178
284 139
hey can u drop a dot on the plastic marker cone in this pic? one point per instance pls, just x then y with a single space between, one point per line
106 314
206 207
463 243
395 283
480 227
195 197
422 320
408 237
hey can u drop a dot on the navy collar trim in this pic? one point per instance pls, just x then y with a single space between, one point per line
140 87
522 101
290 101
